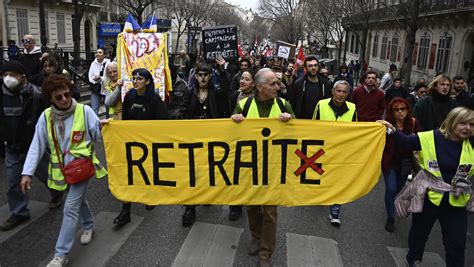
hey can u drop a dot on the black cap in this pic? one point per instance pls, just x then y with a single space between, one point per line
13 66
393 67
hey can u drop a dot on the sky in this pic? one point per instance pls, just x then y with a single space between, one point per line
245 3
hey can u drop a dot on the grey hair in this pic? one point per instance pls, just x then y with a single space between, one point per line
106 75
259 77
344 82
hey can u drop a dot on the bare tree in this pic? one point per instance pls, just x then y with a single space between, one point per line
359 14
189 16
287 15
406 15
258 29
135 7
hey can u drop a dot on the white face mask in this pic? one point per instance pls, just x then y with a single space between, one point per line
11 82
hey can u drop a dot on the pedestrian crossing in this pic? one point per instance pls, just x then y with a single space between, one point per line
37 209
206 244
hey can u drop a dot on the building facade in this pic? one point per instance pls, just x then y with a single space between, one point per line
443 43
22 17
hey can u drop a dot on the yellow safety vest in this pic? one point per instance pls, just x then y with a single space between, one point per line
253 110
77 149
429 162
327 113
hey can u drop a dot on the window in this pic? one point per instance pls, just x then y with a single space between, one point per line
375 46
61 28
357 45
383 50
46 23
444 48
394 49
22 23
352 43
424 51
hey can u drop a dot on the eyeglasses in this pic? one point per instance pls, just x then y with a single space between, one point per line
60 97
137 78
399 109
26 41
312 66
203 74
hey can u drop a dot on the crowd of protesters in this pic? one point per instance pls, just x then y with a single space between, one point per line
39 112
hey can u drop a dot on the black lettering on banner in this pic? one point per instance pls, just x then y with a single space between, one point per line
192 164
304 149
265 133
220 163
240 164
284 155
157 165
137 162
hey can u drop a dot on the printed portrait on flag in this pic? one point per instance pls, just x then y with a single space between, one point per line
143 49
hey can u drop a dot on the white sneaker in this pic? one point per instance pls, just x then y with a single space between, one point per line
86 236
58 261
335 220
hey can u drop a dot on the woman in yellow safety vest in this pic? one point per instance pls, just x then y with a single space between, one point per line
69 131
447 156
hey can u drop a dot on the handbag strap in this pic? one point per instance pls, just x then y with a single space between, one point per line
56 146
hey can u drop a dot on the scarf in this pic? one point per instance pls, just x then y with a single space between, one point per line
58 116
243 95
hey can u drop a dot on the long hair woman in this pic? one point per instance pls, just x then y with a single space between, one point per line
442 189
396 162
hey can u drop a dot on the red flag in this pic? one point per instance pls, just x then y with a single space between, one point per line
300 57
239 50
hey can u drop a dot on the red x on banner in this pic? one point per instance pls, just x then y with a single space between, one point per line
309 162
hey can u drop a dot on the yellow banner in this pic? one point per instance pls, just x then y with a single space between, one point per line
259 161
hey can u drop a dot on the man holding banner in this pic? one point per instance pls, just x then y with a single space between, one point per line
336 109
266 104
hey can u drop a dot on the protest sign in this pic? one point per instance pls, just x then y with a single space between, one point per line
286 50
255 162
220 42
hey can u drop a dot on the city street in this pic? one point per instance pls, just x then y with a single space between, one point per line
156 238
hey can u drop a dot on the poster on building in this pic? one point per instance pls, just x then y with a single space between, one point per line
285 50
142 49
220 41
432 56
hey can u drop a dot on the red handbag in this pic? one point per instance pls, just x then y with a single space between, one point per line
76 171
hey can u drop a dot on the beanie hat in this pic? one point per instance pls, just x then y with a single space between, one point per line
393 67
13 66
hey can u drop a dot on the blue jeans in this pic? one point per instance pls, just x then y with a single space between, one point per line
394 182
335 209
75 208
95 102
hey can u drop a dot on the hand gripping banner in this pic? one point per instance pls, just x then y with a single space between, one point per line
258 161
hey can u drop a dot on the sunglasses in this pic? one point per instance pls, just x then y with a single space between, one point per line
325 73
203 74
26 41
399 109
137 78
422 92
66 96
